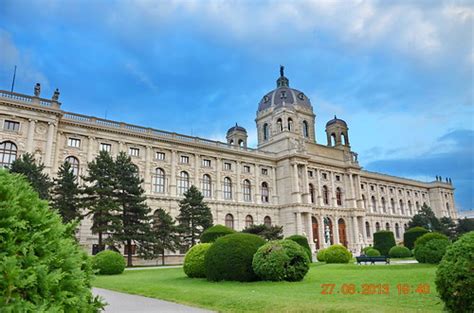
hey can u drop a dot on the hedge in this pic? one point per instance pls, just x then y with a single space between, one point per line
432 251
455 275
384 241
214 232
281 260
302 241
108 262
320 255
372 252
422 240
337 254
194 261
230 257
410 236
399 252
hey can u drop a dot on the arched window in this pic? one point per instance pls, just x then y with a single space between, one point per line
344 139
397 230
377 226
265 193
338 196
241 143
8 151
417 204
206 186
374 204
392 205
183 183
279 125
364 202
248 221
325 195
384 205
265 131
402 210
227 188
247 190
290 124
387 226
159 180
311 193
229 221
410 208
447 207
74 165
333 139
305 129
367 229
267 221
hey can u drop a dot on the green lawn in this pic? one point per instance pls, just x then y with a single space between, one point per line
305 296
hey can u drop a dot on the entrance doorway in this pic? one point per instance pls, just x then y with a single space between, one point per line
315 231
342 232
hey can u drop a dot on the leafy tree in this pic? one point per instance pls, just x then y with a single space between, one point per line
65 194
99 196
465 225
447 227
425 218
33 172
165 233
194 217
272 232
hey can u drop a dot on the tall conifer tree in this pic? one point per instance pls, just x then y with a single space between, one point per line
66 194
27 166
165 234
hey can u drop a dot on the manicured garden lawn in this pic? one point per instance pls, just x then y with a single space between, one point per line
305 296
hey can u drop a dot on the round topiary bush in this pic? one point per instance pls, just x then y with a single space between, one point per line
320 256
422 240
337 254
372 252
399 252
194 261
230 257
42 268
455 275
384 241
108 262
410 236
302 241
364 251
432 252
214 232
281 260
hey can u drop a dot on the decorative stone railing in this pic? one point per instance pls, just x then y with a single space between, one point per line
29 99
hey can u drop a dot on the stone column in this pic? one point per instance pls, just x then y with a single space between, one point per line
335 227
355 232
172 189
275 190
218 194
306 184
238 187
147 176
31 136
364 232
196 171
121 146
309 226
296 184
90 148
298 225
257 184
378 200
333 189
319 189
49 147
322 235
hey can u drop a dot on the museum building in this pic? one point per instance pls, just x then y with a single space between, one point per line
310 188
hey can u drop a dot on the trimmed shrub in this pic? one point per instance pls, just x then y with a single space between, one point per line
372 252
364 251
214 232
320 255
384 241
230 257
420 241
42 268
410 236
337 254
281 260
194 261
432 252
302 241
399 252
455 275
108 262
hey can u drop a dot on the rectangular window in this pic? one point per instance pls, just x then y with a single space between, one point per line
227 166
107 147
134 152
246 169
381 189
11 126
184 159
310 173
160 156
361 186
338 178
325 176
206 163
264 171
372 188
74 142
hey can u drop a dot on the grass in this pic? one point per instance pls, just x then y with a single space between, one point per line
305 296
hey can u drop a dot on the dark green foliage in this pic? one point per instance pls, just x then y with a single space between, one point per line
432 251
302 241
230 257
165 234
372 252
272 232
42 268
194 266
321 255
410 236
33 172
364 251
455 276
66 194
399 252
281 260
194 215
464 226
108 262
214 232
337 254
420 241
425 218
448 227
384 241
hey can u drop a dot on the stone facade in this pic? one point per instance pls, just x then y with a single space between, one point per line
316 190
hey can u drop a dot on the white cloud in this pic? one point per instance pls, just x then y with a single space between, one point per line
140 75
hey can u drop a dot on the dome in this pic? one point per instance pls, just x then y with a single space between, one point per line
236 128
284 96
336 120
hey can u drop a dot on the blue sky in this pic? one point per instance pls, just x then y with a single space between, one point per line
400 73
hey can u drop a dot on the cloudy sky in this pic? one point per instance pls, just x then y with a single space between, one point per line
399 72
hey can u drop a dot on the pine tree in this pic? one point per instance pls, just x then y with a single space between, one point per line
425 218
195 216
165 234
134 212
27 166
65 194
99 196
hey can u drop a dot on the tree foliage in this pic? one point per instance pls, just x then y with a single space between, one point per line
165 233
65 194
27 166
464 226
425 218
272 232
